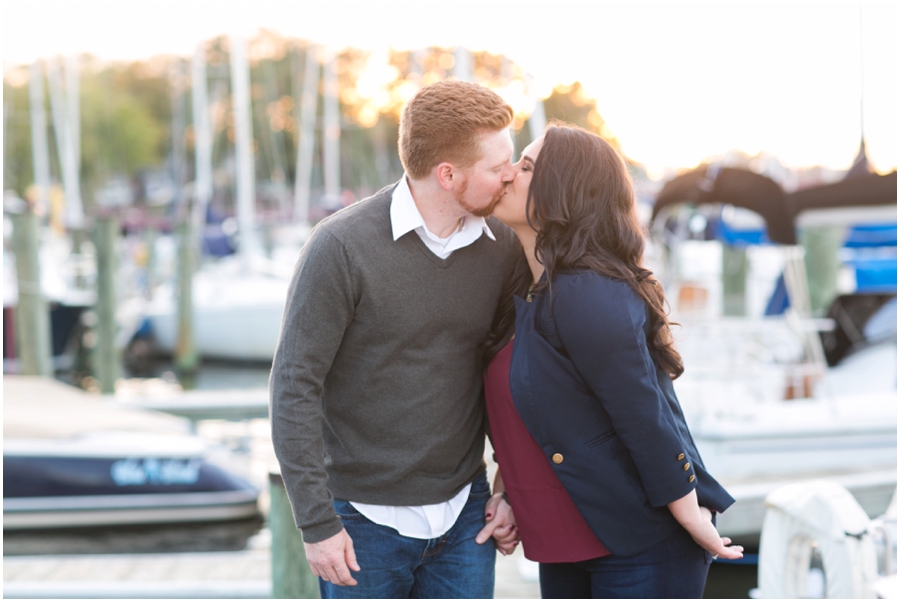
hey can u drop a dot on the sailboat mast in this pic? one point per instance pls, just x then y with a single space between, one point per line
73 104
240 80
203 186
862 78
66 143
274 136
306 136
331 159
537 122
39 150
462 64
177 162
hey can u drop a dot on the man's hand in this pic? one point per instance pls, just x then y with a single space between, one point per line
500 524
332 559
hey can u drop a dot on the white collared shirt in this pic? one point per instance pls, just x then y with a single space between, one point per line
405 216
433 520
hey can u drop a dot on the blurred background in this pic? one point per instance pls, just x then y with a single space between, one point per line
163 163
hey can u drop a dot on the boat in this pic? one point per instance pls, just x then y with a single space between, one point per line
818 542
754 438
66 302
239 300
118 479
67 269
237 312
71 459
777 399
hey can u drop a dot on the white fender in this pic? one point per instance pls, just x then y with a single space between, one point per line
823 512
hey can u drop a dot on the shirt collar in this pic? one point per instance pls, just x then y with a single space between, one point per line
405 215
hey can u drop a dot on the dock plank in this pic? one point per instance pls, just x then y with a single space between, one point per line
201 575
28 401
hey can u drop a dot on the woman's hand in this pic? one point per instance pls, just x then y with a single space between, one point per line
500 523
697 521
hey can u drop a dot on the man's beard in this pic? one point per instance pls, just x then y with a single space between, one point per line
485 211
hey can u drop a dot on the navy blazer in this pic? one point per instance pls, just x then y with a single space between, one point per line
588 389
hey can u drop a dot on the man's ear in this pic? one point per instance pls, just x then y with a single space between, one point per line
447 175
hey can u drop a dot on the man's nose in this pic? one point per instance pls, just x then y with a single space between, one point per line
509 175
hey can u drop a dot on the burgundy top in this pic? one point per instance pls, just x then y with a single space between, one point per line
550 526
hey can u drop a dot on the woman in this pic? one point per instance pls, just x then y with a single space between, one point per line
609 492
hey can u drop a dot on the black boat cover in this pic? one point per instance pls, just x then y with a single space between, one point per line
744 188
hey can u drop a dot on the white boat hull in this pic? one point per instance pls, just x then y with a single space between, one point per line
744 520
94 511
754 450
237 316
75 460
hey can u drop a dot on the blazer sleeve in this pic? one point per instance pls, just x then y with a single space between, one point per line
600 323
320 306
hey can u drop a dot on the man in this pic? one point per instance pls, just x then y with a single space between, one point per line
377 417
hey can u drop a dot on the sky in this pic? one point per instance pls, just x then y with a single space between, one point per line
676 82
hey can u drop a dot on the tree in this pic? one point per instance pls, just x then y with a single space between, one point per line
123 125
126 112
572 104
120 132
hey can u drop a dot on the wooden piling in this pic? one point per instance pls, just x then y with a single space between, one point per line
32 313
734 280
187 359
149 236
79 237
107 360
821 244
291 575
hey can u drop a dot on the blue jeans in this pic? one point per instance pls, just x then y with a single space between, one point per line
395 566
673 568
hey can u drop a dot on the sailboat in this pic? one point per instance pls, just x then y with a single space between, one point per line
239 300
64 274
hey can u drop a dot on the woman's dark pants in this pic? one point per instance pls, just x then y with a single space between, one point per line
673 568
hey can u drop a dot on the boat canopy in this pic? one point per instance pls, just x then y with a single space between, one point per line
708 184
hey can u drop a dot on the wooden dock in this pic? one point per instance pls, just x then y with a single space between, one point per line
38 407
227 404
244 574
28 401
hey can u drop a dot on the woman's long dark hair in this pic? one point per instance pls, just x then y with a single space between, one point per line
581 202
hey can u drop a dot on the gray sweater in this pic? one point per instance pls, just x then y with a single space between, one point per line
376 385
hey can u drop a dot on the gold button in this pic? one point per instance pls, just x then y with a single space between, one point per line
681 456
691 479
557 458
687 465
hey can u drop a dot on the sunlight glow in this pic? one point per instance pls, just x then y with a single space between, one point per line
674 82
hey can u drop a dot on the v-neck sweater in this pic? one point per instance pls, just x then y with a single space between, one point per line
376 391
